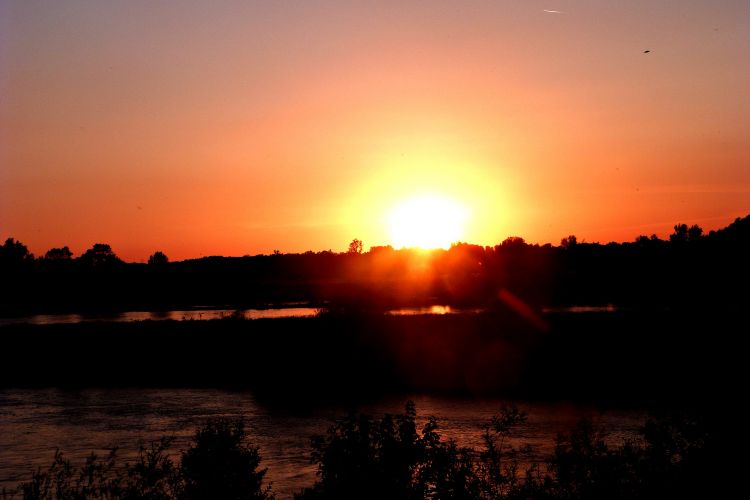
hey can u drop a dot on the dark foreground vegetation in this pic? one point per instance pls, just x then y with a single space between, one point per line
392 458
220 464
689 268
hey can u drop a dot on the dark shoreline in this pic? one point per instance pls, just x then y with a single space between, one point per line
637 357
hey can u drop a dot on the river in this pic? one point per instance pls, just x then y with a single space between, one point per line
203 314
34 422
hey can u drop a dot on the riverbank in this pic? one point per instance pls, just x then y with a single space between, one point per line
657 357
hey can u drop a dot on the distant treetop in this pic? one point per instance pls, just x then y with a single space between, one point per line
14 251
158 259
100 255
63 253
355 247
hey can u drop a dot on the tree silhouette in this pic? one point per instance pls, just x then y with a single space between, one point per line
158 259
366 458
355 247
100 255
680 234
218 465
514 242
569 241
694 233
58 254
222 465
14 252
389 458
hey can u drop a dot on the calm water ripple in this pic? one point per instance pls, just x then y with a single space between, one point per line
34 422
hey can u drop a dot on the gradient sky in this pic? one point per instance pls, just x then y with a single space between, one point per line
231 128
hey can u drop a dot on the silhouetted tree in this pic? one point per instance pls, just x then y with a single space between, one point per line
221 464
649 271
218 465
498 462
447 471
59 254
513 242
694 232
14 252
96 478
644 241
387 458
366 458
158 259
154 475
100 255
569 241
355 247
680 234
380 249
584 467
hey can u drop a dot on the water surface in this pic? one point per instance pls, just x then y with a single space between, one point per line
277 312
36 421
176 315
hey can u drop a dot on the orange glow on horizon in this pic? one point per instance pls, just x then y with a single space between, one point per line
248 127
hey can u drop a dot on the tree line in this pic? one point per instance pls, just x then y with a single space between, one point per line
13 252
688 267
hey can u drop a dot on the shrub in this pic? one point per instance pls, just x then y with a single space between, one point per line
219 465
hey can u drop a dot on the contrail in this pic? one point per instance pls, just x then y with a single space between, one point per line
553 11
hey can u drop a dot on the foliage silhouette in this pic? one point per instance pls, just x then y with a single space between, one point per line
355 247
158 259
367 458
688 269
95 479
569 241
59 254
100 255
13 252
361 457
498 464
219 465
680 234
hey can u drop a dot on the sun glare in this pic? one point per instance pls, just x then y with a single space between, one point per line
427 222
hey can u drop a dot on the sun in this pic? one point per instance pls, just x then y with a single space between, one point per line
427 222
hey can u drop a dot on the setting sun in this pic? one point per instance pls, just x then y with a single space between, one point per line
427 222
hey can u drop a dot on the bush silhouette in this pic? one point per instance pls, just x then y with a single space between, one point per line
153 476
158 259
366 458
221 465
96 478
388 458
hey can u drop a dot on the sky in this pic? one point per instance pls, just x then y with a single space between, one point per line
243 127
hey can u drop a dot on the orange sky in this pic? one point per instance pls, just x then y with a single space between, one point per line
204 128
